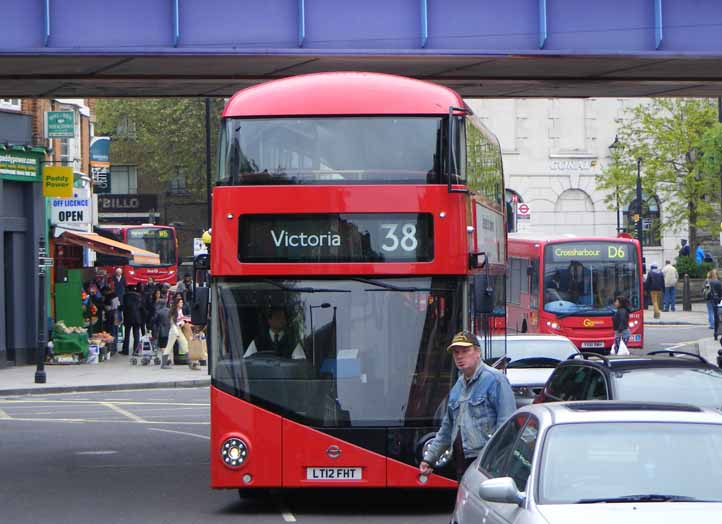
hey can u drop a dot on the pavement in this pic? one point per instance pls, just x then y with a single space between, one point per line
698 316
114 374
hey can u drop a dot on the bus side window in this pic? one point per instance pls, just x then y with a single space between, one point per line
534 284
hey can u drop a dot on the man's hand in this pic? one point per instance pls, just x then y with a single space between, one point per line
425 468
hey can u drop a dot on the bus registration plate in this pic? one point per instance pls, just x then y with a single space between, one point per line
592 345
333 474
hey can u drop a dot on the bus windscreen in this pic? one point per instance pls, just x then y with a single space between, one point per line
155 240
584 277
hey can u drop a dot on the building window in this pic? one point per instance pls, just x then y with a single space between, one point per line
123 180
178 185
126 128
650 217
13 104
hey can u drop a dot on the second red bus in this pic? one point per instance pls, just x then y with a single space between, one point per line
567 286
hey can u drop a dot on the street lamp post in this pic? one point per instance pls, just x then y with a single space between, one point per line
43 263
325 305
614 145
639 209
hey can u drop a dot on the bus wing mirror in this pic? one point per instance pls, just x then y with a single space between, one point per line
483 296
199 308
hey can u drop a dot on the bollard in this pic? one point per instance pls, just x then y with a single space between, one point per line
686 299
719 358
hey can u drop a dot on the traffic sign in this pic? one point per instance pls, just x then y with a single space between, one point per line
60 124
523 212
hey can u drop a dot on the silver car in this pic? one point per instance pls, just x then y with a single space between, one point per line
530 360
598 462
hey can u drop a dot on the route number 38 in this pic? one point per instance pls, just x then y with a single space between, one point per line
397 235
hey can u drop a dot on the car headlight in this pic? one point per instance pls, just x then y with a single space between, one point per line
234 452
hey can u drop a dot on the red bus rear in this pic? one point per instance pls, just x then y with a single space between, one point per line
347 250
155 238
567 286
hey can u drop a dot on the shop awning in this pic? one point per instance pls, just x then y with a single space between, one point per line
109 247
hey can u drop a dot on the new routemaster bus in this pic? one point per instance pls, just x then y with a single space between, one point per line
151 237
566 286
357 225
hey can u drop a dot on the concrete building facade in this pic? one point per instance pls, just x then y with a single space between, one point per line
553 151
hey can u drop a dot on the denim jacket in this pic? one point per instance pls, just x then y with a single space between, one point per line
476 408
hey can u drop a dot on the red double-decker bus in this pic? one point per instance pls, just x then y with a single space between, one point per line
567 286
151 237
357 225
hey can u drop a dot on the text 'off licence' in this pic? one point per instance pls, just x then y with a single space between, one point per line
333 474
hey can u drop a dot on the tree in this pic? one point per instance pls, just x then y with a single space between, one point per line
668 134
164 137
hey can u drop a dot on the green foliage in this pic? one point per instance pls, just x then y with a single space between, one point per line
672 138
164 137
690 267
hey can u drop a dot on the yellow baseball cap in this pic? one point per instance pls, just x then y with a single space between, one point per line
464 339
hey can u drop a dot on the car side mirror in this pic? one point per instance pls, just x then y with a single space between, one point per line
501 490
199 307
483 295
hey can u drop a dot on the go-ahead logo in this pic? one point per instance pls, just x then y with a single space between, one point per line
588 322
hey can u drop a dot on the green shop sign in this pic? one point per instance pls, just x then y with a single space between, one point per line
20 165
60 124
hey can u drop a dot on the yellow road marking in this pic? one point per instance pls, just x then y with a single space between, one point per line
125 413
106 421
122 403
180 433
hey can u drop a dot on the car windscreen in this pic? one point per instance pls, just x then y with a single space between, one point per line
697 386
519 349
601 462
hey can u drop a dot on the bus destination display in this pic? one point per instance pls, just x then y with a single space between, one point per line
589 251
336 237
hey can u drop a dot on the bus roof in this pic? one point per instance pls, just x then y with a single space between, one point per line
546 239
343 93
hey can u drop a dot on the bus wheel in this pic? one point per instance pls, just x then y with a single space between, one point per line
523 327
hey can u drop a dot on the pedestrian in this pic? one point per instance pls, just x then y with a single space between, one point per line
699 254
150 296
670 286
177 320
111 304
185 288
684 250
655 285
132 304
161 321
119 284
480 402
712 292
620 322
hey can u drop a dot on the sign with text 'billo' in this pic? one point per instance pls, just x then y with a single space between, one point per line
58 181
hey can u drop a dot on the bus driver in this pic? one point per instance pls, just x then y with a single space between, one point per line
277 339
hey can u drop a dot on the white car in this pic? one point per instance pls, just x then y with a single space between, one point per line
598 462
529 361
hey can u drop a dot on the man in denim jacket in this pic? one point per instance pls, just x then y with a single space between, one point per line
480 402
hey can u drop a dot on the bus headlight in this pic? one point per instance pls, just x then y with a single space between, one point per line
553 325
633 323
234 452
